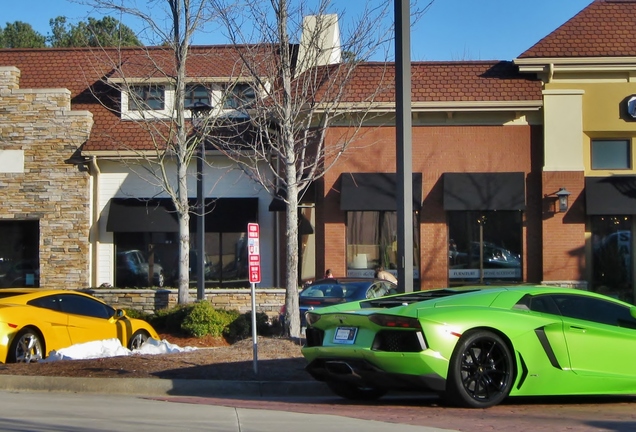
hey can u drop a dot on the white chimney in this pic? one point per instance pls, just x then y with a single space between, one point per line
319 42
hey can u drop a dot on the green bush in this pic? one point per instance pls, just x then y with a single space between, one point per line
241 327
204 320
170 320
134 313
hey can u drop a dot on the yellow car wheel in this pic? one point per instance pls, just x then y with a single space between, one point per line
27 347
137 339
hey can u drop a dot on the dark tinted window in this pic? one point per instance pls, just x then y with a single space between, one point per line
48 302
596 310
79 305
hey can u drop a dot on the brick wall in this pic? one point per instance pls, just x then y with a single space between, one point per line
564 259
40 123
435 150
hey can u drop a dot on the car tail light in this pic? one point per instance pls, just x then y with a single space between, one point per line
311 318
395 321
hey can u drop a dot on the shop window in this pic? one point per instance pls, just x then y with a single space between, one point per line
372 242
611 256
611 154
144 98
484 246
19 254
138 249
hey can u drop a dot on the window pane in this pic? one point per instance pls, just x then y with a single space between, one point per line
239 96
19 254
611 256
372 242
197 94
146 98
489 241
135 252
607 154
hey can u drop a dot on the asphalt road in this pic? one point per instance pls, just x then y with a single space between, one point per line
93 404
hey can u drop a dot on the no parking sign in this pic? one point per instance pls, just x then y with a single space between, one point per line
253 253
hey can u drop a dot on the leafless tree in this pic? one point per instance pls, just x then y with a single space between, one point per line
170 138
302 89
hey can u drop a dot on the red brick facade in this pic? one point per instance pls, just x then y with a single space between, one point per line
436 150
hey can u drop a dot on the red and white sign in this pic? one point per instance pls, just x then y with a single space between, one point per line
253 253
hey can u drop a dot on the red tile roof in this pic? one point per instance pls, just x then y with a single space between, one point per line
479 81
83 72
603 29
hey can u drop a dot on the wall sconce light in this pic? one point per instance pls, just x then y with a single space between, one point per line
563 195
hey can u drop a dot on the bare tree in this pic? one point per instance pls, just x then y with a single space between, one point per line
302 89
136 73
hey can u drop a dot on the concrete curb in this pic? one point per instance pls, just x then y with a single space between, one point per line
165 387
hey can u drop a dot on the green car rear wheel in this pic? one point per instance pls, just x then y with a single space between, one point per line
481 371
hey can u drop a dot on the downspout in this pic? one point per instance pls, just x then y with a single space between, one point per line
94 230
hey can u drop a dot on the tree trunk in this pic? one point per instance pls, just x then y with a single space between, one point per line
292 309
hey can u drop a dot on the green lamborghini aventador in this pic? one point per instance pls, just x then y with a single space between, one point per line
475 347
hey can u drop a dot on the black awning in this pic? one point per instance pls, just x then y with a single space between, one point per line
308 196
228 214
375 191
159 215
484 191
615 195
141 215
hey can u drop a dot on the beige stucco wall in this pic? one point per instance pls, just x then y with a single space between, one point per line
602 116
39 125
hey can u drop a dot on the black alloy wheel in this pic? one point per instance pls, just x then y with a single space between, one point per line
481 371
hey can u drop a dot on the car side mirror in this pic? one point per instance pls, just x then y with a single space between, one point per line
632 311
120 313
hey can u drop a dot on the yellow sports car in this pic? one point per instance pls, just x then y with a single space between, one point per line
34 322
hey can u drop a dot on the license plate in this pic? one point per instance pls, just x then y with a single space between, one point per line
345 335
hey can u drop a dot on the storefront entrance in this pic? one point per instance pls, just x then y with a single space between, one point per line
612 266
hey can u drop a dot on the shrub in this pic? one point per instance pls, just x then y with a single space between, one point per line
241 327
134 313
204 320
170 320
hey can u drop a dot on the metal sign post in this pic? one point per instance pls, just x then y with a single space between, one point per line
254 269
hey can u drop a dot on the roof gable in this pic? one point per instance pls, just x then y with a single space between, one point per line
605 28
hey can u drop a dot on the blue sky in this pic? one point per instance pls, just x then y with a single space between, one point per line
450 30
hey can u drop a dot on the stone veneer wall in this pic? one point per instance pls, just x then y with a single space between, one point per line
268 300
40 123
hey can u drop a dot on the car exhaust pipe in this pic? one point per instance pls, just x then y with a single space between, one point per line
339 368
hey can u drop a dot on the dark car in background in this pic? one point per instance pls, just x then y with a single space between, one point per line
331 291
133 270
19 274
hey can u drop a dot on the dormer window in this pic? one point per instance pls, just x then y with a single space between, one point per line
239 96
143 98
197 93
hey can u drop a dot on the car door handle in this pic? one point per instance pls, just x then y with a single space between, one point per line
582 329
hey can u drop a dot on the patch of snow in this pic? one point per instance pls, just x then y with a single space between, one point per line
113 348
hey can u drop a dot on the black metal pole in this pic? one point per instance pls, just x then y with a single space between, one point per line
404 145
200 261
